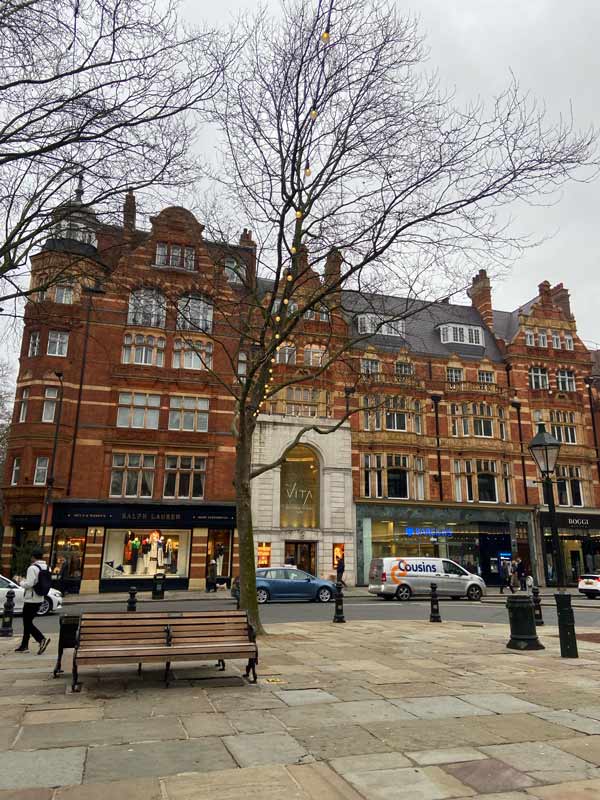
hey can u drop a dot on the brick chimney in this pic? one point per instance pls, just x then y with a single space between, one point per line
560 298
129 212
333 266
481 297
246 239
545 294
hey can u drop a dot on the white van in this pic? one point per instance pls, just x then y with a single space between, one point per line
404 577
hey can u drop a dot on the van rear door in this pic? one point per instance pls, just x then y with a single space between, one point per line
376 570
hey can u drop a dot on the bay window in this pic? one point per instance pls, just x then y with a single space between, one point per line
40 475
58 343
50 402
24 405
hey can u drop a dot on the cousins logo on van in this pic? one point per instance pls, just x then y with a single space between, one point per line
403 568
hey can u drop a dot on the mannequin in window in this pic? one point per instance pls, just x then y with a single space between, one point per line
135 552
220 557
146 552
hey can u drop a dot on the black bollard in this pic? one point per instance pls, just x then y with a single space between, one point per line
435 605
339 603
6 629
566 626
132 602
537 607
523 634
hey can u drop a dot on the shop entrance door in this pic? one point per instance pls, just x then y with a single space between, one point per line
492 548
304 555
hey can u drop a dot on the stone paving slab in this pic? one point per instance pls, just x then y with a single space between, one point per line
501 703
26 794
440 707
37 737
576 790
258 749
450 755
302 697
58 767
571 720
421 783
490 775
54 716
141 789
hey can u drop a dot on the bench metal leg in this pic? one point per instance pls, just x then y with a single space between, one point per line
75 685
221 664
251 668
167 672
139 669
58 667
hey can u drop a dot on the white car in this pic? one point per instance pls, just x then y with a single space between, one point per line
51 604
589 585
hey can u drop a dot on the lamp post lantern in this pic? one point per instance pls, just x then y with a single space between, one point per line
544 449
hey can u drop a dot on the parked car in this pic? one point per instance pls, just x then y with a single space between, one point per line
589 585
401 578
52 603
279 583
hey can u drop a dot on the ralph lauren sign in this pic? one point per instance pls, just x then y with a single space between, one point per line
142 515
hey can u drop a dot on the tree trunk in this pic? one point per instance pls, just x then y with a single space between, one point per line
244 527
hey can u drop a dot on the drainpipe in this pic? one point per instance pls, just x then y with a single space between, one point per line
517 406
435 399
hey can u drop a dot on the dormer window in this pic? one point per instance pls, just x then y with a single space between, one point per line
461 334
372 323
403 369
162 254
175 256
234 272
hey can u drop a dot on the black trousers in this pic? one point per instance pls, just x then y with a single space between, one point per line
30 611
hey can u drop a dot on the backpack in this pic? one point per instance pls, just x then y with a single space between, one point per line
44 581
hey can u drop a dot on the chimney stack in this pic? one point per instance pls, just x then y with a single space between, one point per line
333 266
560 298
544 293
129 212
481 297
246 239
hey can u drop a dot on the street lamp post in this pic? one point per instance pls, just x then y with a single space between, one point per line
544 449
50 475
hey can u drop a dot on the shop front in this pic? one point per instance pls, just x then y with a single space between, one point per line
108 546
579 536
477 539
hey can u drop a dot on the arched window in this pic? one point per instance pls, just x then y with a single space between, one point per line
194 313
300 488
147 308
234 271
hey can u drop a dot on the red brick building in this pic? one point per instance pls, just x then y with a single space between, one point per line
435 460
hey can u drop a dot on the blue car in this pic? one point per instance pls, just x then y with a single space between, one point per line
279 583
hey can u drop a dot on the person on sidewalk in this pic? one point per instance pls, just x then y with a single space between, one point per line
521 574
32 601
211 582
515 583
505 577
340 568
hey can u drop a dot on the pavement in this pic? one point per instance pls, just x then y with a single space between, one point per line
371 710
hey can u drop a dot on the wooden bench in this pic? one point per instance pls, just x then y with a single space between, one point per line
149 637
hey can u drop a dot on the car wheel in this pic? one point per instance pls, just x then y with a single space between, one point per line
403 592
474 593
45 608
262 595
324 595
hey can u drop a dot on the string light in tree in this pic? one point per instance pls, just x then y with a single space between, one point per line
299 214
325 36
307 170
293 251
277 336
277 318
272 361
290 277
313 113
285 301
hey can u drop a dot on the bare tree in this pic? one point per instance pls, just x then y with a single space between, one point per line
107 87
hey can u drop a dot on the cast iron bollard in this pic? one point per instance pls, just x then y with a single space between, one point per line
566 626
339 603
537 607
7 614
158 586
523 634
435 605
132 602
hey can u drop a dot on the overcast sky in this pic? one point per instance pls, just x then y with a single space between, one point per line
552 48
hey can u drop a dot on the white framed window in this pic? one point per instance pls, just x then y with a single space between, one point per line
372 323
569 485
372 475
542 339
161 258
185 477
64 295
485 376
138 410
506 481
50 403
194 313
457 479
417 419
396 417
419 478
242 365
372 408
397 477
143 350
147 308
16 471
301 402
486 481
569 343
188 414
314 355
563 426
529 338
369 366
556 343
175 256
58 343
40 475
503 430
482 420
403 369
461 334
234 271
195 354
320 314
454 374
132 475
34 344
189 258
538 377
286 354
565 380
24 405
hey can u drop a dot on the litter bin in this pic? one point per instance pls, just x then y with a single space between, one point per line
523 633
158 586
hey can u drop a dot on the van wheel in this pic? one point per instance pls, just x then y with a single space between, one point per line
474 593
403 592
